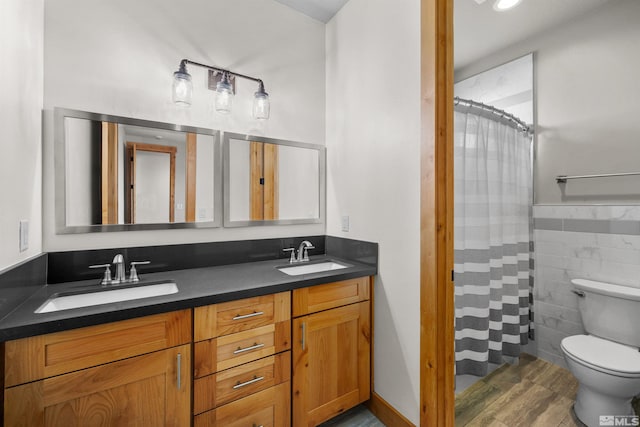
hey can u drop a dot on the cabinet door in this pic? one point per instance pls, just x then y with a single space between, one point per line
149 390
331 363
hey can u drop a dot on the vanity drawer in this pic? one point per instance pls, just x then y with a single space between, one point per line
332 295
236 383
235 316
266 408
242 347
44 356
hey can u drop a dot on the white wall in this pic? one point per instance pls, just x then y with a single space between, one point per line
298 183
80 187
118 57
373 157
204 178
21 56
587 91
240 174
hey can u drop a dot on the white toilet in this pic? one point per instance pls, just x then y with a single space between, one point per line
606 362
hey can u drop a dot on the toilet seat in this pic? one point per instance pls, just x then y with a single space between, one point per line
603 355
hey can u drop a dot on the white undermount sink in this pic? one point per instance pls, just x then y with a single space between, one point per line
298 270
67 301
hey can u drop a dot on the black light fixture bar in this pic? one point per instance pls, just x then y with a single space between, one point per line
184 62
183 88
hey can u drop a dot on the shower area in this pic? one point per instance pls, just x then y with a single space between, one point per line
493 197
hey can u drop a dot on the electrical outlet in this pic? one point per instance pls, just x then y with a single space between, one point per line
24 235
345 223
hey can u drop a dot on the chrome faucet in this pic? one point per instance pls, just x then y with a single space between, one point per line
303 256
121 274
118 260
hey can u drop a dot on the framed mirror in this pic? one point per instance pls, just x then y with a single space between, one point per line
117 173
272 181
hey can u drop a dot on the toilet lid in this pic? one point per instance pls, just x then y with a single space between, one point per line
603 353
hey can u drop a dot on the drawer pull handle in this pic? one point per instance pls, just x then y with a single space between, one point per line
246 383
246 316
179 369
253 347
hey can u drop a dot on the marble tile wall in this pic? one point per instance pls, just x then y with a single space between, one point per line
601 243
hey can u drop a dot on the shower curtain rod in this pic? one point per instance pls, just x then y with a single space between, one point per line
519 124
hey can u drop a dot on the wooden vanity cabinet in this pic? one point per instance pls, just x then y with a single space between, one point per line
132 372
242 363
139 371
331 350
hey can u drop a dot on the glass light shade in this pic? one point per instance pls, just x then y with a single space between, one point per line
224 96
182 88
502 5
261 106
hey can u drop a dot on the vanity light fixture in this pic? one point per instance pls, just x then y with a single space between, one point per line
261 105
183 90
182 86
502 5
224 95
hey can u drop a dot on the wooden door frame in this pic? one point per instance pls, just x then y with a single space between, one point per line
109 173
132 147
437 399
190 177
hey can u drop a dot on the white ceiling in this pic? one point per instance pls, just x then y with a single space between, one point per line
322 10
480 31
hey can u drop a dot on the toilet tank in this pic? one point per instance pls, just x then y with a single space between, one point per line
609 311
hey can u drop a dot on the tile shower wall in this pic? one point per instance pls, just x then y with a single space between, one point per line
601 243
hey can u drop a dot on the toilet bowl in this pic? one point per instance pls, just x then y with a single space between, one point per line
608 374
605 361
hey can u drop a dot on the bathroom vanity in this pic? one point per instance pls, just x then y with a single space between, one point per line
241 344
225 333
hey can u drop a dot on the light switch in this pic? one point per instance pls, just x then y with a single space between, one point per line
345 223
24 235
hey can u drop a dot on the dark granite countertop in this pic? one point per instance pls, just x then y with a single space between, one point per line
197 287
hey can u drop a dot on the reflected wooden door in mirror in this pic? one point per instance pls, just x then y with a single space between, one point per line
263 182
270 181
116 173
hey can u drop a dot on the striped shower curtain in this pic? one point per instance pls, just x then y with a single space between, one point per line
492 235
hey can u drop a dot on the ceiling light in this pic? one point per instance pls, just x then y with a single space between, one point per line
183 90
502 5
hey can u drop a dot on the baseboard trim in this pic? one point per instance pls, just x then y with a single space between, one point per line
386 413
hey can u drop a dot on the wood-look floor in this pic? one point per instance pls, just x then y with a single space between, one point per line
532 393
